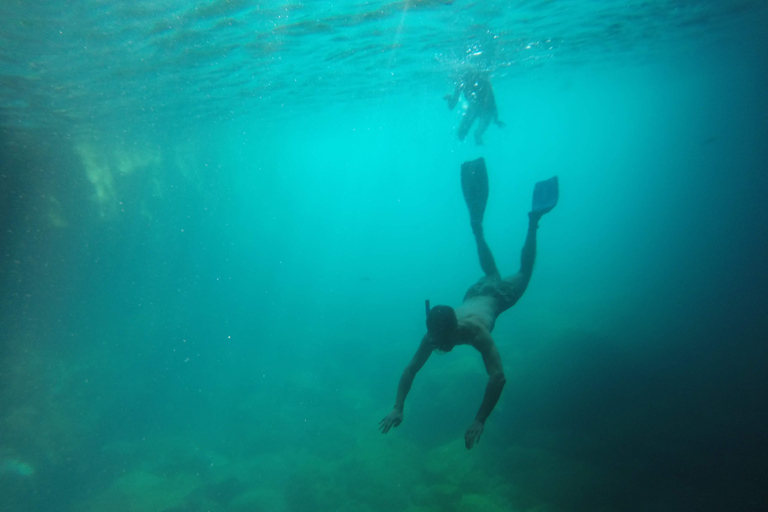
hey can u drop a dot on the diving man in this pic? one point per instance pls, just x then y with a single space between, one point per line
481 104
472 322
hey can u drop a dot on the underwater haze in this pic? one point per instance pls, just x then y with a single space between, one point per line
221 219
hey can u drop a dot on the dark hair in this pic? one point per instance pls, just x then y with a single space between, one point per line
441 321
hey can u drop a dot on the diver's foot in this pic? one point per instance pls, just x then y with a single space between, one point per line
474 186
545 196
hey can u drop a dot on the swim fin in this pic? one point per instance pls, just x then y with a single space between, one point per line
545 196
474 185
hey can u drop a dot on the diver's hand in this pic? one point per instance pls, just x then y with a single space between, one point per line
473 434
392 419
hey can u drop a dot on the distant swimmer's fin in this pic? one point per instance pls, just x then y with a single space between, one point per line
474 185
545 196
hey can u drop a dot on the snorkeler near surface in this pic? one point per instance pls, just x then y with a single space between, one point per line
478 91
472 322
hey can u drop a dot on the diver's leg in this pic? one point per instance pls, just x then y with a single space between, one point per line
528 254
487 263
474 186
516 284
466 122
545 196
482 125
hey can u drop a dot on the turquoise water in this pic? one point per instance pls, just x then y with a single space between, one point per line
220 223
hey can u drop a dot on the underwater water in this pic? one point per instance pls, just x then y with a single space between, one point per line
220 221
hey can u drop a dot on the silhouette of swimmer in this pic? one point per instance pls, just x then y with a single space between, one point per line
482 104
472 322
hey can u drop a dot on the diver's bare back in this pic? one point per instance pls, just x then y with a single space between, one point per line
477 312
489 298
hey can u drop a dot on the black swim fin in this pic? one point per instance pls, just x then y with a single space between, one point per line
474 185
545 196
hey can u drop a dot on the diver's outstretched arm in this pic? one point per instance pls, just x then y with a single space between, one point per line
395 417
484 343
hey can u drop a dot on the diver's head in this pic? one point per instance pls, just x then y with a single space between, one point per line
441 327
